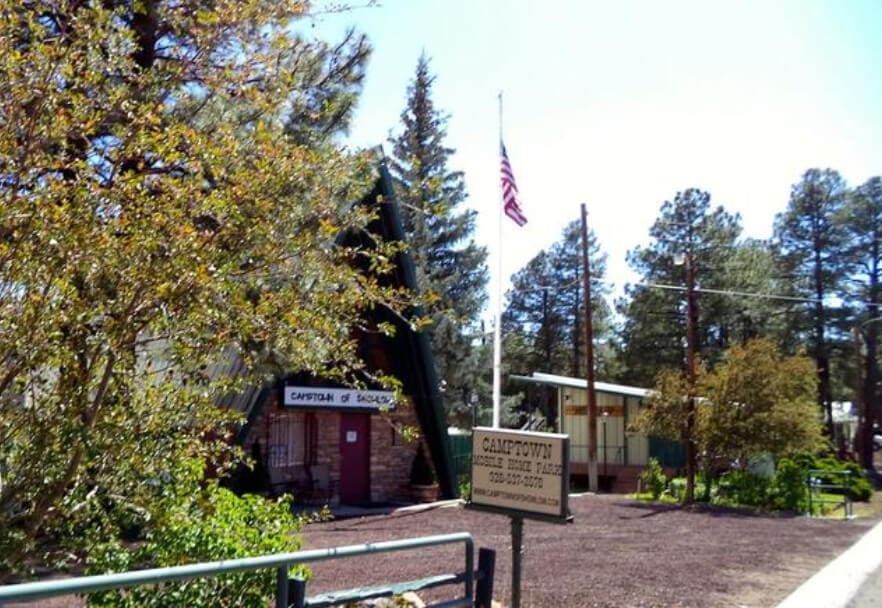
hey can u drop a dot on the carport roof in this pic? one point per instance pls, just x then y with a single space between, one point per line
604 387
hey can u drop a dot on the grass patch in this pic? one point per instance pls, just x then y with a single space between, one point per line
665 498
871 508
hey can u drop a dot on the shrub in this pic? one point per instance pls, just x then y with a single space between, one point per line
677 488
746 488
859 486
200 523
653 479
789 491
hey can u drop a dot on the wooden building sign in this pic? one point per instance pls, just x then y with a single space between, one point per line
337 398
582 410
522 473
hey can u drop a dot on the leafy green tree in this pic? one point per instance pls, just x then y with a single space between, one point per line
157 215
666 411
756 402
759 401
545 308
810 241
451 267
861 217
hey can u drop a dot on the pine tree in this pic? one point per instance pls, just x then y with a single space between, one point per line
451 267
546 311
810 241
687 229
862 220
546 304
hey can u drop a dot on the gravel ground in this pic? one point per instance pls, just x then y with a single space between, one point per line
617 552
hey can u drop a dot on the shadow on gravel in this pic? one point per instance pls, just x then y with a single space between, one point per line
651 509
655 508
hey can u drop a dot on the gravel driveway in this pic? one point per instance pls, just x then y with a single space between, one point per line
616 553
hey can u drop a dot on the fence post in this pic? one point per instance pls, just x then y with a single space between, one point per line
282 587
297 592
808 483
486 572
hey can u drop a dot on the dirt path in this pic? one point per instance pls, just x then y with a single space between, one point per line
616 553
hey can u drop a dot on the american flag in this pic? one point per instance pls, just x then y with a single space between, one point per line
510 191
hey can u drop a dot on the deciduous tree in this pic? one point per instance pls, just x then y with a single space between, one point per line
756 402
161 206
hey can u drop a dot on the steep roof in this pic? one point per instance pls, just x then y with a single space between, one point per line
415 367
604 387
414 362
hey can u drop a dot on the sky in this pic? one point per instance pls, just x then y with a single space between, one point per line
620 105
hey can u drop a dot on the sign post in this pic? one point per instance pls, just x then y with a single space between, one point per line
523 475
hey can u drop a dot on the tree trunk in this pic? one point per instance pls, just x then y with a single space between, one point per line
870 401
821 359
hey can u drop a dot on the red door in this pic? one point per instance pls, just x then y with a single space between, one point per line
355 451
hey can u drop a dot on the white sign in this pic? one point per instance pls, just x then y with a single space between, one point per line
351 436
318 397
521 471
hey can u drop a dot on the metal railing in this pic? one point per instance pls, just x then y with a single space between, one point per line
819 481
289 592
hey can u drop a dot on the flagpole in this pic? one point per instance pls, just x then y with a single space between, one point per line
497 324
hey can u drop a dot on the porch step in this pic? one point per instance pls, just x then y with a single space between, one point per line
623 478
625 481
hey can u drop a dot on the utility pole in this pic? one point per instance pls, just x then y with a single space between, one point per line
691 342
589 360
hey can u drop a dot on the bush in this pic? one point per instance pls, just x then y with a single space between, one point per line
789 491
194 524
653 479
859 487
746 488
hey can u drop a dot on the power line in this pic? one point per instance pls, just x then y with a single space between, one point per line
747 294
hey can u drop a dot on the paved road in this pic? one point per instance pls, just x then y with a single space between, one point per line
852 580
870 593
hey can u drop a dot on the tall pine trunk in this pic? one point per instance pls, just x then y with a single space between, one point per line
821 358
871 373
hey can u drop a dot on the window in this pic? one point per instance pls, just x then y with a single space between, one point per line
287 439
